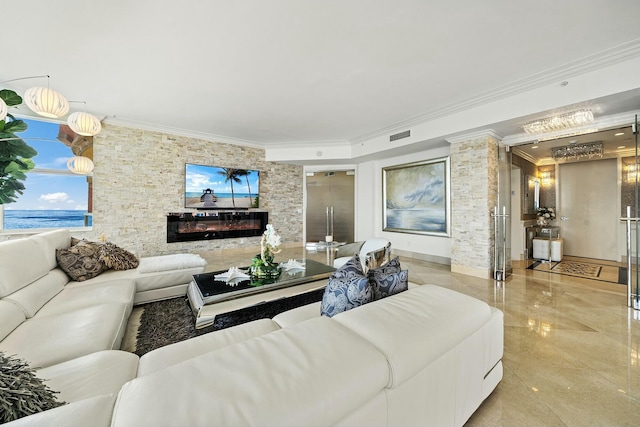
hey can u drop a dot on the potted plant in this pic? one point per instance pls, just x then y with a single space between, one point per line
263 267
15 154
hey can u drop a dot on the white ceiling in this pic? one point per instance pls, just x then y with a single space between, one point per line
301 71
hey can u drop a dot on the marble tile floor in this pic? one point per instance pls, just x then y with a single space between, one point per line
572 347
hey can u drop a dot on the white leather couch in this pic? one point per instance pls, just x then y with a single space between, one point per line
428 356
71 330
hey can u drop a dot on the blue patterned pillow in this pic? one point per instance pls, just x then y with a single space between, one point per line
348 288
350 268
388 279
342 294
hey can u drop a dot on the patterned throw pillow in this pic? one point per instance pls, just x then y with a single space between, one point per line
388 279
117 258
348 288
81 261
351 267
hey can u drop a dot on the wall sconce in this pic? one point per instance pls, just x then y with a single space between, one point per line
546 178
631 173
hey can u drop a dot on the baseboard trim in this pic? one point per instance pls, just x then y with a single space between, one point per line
422 257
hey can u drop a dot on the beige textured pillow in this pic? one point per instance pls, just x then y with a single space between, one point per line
117 258
81 261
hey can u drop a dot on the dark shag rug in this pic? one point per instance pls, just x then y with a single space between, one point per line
170 321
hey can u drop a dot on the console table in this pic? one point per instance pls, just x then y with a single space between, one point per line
209 297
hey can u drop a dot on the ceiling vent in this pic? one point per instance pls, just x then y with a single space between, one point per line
397 136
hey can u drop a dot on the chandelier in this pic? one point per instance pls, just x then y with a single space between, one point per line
578 151
559 122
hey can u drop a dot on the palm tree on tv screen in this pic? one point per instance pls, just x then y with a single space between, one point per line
231 175
246 173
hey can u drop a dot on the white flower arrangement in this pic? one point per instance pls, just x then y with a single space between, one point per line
547 213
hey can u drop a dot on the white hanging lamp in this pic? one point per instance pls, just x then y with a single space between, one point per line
84 124
3 109
80 164
46 102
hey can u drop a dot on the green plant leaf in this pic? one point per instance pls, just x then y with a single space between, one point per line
15 126
10 97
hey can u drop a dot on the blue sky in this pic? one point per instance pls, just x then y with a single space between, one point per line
50 192
199 178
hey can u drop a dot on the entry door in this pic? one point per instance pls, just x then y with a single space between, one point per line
330 190
589 206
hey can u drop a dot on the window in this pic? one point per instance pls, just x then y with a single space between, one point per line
53 197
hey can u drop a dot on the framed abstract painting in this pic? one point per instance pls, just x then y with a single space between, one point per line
416 197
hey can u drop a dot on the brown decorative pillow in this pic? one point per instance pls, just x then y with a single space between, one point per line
81 261
117 258
75 241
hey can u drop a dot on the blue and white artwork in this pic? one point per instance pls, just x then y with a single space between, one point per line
416 197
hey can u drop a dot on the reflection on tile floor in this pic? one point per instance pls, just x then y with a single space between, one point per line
572 347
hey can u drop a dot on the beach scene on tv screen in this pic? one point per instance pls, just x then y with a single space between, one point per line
213 187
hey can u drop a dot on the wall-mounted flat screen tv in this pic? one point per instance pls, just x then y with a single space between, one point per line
214 187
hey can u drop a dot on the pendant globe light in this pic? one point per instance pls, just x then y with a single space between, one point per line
80 165
46 102
3 109
84 124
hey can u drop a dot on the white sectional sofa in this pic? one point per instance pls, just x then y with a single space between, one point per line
73 330
426 356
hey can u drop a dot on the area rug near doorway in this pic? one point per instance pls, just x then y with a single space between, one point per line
170 321
586 270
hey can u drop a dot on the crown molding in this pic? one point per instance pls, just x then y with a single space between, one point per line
474 135
182 132
604 58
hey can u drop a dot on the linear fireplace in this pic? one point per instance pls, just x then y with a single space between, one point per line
186 226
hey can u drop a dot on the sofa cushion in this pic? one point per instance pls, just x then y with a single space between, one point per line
78 297
298 315
387 279
103 372
117 258
94 412
170 262
81 261
50 241
22 393
432 319
11 316
314 373
39 340
21 262
33 297
175 353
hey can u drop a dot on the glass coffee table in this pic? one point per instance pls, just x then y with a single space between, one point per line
209 297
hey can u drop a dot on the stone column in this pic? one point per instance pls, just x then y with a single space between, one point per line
474 192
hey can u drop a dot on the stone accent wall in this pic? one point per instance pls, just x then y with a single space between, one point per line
139 177
474 189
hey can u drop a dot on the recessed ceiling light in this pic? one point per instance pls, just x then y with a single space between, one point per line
573 141
621 147
618 134
534 147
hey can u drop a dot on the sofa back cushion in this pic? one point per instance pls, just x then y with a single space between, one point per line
433 320
314 373
31 298
22 261
49 241
10 318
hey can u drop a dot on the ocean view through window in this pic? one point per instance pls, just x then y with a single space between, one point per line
54 197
